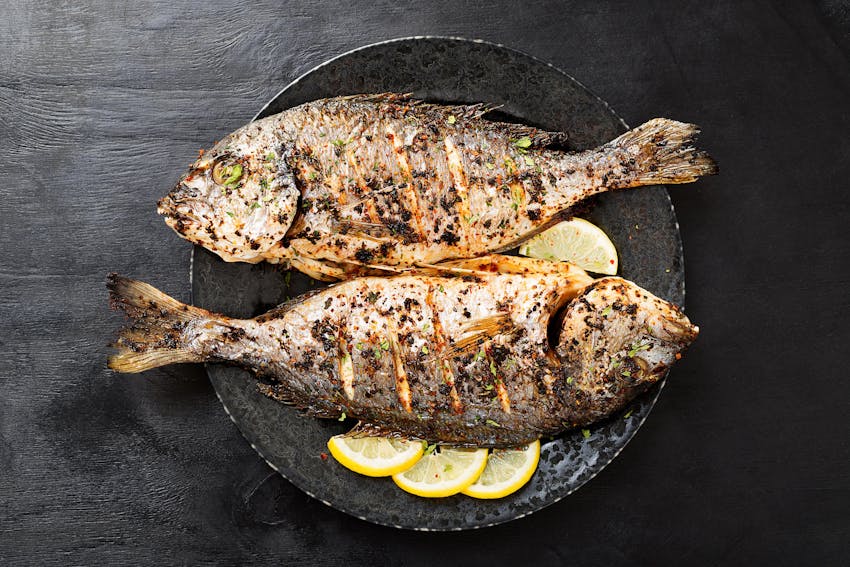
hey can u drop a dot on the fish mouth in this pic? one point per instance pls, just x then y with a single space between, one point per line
176 208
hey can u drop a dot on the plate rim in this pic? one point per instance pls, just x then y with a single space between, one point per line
654 392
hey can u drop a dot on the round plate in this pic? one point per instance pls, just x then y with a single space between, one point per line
641 223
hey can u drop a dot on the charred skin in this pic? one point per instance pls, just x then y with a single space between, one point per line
458 360
383 182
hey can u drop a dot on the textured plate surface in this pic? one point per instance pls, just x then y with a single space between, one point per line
641 223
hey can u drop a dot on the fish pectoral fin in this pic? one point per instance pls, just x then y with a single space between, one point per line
477 333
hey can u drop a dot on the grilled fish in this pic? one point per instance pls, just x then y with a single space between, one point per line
377 183
489 359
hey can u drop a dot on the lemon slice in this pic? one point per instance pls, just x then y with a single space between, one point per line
443 472
375 456
575 241
506 472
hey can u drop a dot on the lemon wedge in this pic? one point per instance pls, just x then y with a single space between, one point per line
375 456
576 241
442 472
506 472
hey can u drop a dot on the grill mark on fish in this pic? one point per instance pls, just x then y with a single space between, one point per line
499 384
402 387
463 216
442 361
409 193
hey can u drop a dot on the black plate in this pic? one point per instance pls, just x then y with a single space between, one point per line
641 223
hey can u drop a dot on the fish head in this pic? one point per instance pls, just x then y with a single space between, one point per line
237 199
617 339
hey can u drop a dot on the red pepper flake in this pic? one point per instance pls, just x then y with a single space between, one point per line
324 456
611 261
678 356
201 152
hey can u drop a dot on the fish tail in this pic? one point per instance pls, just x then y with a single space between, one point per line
155 336
664 153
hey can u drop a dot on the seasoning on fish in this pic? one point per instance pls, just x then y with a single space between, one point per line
487 359
377 183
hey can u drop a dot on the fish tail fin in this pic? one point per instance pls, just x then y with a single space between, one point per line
155 335
664 153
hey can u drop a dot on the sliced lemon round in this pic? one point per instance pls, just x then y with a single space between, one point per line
443 472
576 241
506 472
375 456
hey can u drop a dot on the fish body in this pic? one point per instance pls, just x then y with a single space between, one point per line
463 360
350 185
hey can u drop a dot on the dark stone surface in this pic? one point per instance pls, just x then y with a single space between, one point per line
641 223
745 460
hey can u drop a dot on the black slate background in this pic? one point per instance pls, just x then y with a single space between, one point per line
743 461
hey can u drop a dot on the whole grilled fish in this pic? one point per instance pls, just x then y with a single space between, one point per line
487 359
351 185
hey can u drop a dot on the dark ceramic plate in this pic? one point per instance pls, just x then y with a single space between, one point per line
641 223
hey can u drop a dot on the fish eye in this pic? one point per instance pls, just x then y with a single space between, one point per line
227 173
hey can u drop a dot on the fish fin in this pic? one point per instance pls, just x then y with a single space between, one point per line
155 336
378 97
504 264
317 269
664 153
476 334
363 429
277 392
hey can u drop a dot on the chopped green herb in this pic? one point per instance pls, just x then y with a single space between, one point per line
426 327
322 134
637 349
361 346
231 215
264 183
312 175
478 356
617 364
585 433
340 143
255 205
451 119
529 161
385 345
447 467
606 311
490 165
342 417
372 296
430 449
569 379
523 143
235 172
425 349
492 423
626 373
441 288
489 387
270 156
493 367
628 414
